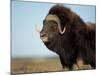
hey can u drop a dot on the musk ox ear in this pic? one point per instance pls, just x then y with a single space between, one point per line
55 18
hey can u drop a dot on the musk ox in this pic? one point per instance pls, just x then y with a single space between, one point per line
66 34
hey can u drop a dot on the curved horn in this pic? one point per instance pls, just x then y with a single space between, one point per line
55 18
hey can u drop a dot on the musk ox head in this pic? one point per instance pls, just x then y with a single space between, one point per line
58 21
51 29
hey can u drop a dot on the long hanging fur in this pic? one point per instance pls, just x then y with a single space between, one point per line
77 42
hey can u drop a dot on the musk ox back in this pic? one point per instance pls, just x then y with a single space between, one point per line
66 34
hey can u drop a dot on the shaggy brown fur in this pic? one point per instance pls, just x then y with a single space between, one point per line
77 42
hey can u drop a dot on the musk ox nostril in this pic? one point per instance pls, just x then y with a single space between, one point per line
42 34
44 37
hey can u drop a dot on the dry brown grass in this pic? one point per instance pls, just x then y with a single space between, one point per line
35 65
20 66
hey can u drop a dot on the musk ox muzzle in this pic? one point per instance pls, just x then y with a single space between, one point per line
43 37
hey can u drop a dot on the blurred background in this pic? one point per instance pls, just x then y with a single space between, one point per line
26 44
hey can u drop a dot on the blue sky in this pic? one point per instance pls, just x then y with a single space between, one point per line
26 16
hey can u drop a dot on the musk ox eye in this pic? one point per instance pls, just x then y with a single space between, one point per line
53 25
